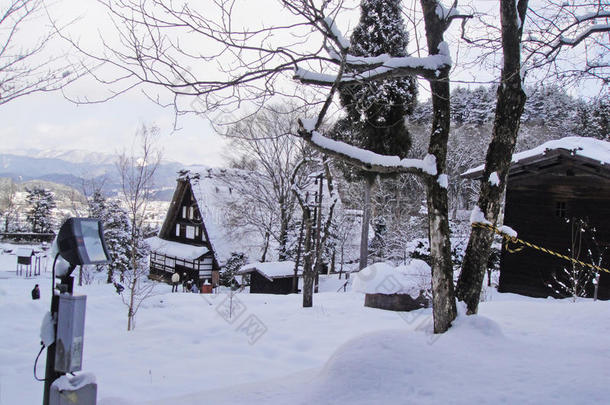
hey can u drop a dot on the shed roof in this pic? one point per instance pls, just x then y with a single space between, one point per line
25 252
176 249
593 151
271 270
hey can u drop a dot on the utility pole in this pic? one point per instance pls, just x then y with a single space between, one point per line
318 264
295 279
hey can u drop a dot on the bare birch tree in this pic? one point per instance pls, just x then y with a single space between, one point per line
267 140
137 170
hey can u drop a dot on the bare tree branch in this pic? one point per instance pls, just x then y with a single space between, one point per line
25 66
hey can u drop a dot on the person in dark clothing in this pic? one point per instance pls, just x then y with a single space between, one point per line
119 288
36 293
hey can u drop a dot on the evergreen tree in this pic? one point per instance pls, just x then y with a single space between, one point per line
41 204
593 119
97 206
117 232
376 111
235 262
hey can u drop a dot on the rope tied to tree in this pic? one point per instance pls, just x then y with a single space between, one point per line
520 244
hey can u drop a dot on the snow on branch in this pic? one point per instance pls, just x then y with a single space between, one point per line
477 216
365 159
582 36
337 35
381 67
592 16
449 14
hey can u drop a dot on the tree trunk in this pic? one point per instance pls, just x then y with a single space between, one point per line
295 278
510 104
283 237
443 295
319 244
366 219
308 276
132 287
266 247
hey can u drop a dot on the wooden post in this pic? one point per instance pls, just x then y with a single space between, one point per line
295 279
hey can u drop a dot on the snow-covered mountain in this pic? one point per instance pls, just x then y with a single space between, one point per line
71 167
75 156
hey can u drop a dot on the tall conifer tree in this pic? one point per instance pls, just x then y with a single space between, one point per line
40 214
376 111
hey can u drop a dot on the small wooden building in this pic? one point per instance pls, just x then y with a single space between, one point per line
547 188
270 277
184 244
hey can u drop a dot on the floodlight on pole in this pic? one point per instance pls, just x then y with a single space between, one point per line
80 241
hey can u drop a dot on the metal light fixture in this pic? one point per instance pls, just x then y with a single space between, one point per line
80 241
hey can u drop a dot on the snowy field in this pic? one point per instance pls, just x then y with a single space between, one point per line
185 350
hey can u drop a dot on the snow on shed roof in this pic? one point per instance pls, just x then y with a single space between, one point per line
176 249
25 252
270 270
590 148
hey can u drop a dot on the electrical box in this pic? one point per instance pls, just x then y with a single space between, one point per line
78 390
70 333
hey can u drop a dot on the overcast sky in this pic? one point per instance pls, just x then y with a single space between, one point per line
49 121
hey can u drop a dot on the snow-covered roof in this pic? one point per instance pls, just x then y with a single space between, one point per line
213 192
25 252
176 249
591 148
383 278
270 270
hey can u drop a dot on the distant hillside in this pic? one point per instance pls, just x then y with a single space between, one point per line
71 168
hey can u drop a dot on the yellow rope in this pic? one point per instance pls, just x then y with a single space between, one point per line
514 240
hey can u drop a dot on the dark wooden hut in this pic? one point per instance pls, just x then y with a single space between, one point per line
549 188
270 277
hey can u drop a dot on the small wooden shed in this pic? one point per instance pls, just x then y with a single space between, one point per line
547 188
24 261
270 277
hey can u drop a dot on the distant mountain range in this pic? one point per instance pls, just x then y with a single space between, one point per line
74 167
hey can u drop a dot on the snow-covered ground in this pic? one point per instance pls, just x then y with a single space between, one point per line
184 350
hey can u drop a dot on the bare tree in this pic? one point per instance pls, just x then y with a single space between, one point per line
554 22
257 60
137 170
568 41
267 141
25 66
313 248
510 103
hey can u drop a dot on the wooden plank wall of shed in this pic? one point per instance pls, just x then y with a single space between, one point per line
537 206
261 285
